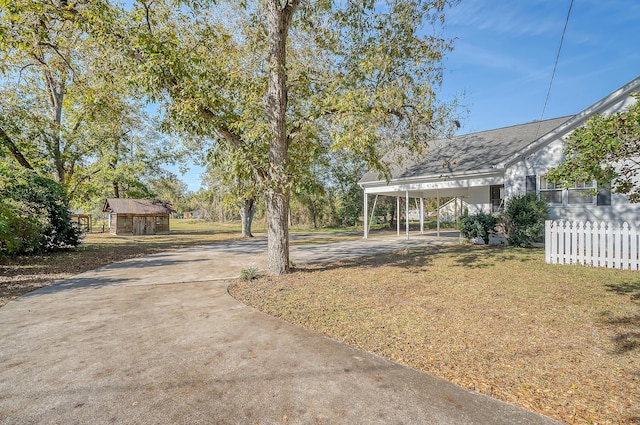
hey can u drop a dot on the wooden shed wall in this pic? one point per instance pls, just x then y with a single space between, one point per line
140 224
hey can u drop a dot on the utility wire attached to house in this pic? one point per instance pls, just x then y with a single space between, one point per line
555 65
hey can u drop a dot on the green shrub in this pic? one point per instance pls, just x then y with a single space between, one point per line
479 225
34 214
524 219
19 233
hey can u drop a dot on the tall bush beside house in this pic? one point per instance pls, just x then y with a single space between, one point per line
524 219
34 214
479 225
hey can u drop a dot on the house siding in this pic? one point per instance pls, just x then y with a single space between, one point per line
537 163
620 211
478 199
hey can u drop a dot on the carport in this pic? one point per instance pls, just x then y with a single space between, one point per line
473 166
475 188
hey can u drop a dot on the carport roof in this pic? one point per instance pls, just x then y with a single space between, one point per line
474 152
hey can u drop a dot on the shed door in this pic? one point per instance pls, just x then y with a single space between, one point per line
144 226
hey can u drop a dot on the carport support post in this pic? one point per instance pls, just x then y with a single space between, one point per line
438 214
366 216
398 215
406 213
421 215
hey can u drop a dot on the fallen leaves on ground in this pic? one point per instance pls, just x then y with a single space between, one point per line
558 340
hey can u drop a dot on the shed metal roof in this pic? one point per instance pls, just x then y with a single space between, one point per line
137 206
470 152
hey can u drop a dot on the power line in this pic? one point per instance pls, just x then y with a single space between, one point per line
555 65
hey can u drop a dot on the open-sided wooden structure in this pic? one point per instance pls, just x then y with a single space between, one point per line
129 217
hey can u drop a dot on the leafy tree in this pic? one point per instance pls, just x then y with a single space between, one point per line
605 149
170 188
345 169
262 78
238 182
310 192
215 199
48 91
66 110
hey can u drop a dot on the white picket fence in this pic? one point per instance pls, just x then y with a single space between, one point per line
592 244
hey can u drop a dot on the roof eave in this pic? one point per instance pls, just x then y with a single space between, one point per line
573 122
488 172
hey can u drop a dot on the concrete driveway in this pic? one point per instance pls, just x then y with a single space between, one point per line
157 340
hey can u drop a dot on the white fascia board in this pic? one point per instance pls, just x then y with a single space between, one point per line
574 122
435 178
459 181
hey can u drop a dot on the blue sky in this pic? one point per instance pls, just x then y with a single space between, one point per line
505 51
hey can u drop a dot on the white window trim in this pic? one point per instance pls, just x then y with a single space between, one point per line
555 189
565 194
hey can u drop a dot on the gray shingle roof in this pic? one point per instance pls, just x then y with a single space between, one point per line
470 152
137 206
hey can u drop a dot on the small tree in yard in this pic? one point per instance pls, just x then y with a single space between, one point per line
478 225
524 219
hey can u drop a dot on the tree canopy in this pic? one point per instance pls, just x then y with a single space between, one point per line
274 84
267 79
605 149
66 109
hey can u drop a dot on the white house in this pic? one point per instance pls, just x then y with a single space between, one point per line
488 167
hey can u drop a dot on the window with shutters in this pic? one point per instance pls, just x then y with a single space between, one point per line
604 194
581 193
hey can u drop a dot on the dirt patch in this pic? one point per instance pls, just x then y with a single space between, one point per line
560 340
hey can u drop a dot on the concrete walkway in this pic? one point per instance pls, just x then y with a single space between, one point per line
157 340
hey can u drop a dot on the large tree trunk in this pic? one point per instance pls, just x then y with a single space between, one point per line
113 164
278 233
57 91
247 209
277 198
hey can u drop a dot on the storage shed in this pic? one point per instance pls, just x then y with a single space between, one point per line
129 217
